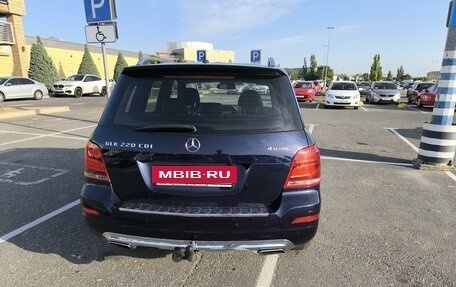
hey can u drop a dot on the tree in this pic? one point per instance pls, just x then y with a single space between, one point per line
87 65
400 74
313 64
365 77
140 55
389 77
376 69
120 64
42 68
303 73
293 75
329 73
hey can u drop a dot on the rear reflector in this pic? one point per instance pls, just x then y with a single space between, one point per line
306 219
94 166
305 169
90 212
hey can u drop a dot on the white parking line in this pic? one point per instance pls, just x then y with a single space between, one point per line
34 223
403 138
35 134
423 112
47 135
267 271
362 107
450 174
310 129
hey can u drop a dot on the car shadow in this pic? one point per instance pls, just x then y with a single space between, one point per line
45 180
411 133
351 155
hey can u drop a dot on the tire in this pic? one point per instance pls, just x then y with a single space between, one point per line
78 92
368 100
104 92
409 99
355 108
328 107
2 97
419 104
38 95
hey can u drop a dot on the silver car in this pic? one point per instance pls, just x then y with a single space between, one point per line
21 88
383 92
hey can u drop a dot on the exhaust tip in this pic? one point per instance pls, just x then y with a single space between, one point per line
271 251
121 244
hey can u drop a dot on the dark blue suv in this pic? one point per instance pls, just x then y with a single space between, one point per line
192 157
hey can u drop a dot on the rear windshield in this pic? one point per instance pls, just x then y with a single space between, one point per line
385 86
238 103
343 86
303 85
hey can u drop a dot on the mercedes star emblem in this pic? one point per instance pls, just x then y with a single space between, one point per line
192 145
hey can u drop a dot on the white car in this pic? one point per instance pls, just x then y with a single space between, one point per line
342 94
21 88
78 85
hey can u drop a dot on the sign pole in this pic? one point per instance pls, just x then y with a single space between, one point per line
105 65
438 141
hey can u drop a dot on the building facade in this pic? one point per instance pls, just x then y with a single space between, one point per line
187 52
12 41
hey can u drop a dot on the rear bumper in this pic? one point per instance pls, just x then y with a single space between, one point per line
230 232
170 244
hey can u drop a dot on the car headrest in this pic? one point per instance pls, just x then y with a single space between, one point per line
250 102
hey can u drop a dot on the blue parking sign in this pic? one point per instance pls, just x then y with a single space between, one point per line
98 11
255 56
201 56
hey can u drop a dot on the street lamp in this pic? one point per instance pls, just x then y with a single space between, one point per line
327 56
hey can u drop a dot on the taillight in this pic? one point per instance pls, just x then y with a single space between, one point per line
305 219
305 169
94 166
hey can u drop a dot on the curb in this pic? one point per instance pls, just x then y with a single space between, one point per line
6 113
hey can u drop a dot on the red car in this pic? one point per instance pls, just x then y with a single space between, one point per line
305 91
427 98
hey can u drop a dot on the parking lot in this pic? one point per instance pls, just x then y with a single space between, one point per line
383 222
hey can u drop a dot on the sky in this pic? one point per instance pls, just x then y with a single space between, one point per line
407 33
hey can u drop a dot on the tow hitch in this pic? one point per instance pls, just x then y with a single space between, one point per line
188 253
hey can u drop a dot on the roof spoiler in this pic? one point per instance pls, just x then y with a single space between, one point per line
147 60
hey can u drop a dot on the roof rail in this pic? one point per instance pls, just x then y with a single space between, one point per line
271 62
147 60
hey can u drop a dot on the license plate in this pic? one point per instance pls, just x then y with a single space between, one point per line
195 175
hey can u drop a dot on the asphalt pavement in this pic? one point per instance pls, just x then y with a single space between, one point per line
383 222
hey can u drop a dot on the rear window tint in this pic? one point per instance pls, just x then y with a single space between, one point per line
214 105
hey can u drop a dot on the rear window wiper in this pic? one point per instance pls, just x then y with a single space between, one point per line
168 128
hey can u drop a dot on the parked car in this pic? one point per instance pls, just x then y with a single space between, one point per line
427 98
363 88
79 85
416 88
21 88
318 87
305 91
383 92
342 94
170 169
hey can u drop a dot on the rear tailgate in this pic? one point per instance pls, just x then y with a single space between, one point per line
244 168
